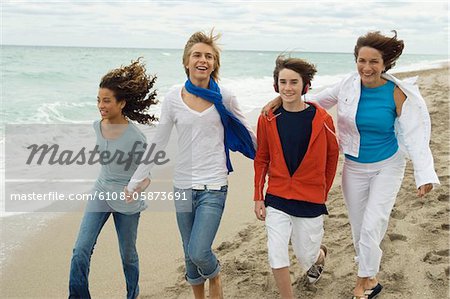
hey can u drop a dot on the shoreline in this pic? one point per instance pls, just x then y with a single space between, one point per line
37 264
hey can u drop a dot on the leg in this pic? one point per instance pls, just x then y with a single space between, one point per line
199 291
279 228
307 234
215 287
355 188
385 179
209 206
90 228
383 192
126 228
185 219
283 281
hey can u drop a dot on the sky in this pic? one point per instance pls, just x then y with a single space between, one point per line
313 26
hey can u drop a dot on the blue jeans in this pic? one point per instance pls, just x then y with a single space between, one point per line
91 225
198 220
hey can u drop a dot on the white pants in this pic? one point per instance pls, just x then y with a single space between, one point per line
305 234
370 190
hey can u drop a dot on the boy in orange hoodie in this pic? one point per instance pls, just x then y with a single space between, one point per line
297 148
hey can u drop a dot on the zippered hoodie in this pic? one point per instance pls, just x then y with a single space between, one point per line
313 178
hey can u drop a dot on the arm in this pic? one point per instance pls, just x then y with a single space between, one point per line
261 166
139 180
328 97
413 132
332 153
236 110
400 98
262 160
272 105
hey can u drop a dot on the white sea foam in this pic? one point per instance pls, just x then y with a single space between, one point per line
422 65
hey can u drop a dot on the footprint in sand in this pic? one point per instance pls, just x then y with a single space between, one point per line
395 237
443 197
341 215
399 215
437 256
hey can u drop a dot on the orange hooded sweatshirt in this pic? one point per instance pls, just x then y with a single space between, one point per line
314 176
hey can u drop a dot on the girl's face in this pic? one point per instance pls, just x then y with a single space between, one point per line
201 62
370 65
108 105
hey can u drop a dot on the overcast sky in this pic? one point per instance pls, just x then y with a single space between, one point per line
245 25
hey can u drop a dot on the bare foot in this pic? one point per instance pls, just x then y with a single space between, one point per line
371 283
359 289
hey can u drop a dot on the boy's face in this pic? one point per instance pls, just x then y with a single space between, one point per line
201 62
290 85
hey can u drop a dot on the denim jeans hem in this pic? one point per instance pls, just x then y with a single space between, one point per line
195 281
211 275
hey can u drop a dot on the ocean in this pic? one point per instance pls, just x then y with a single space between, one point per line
58 85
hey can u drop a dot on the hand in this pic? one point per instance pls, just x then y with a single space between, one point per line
140 187
272 105
424 189
260 210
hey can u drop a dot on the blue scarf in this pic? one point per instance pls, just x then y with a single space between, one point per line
237 137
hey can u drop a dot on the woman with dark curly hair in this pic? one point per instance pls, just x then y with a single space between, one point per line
381 120
124 95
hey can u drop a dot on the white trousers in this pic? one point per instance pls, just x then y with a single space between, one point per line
370 190
305 234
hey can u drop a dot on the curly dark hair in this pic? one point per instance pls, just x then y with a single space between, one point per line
390 47
305 69
131 84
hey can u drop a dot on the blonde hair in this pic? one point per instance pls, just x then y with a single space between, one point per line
208 39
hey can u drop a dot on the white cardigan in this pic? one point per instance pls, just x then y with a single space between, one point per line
413 127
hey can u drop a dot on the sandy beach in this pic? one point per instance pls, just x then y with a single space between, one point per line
416 247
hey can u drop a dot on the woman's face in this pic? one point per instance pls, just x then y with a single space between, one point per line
201 62
108 105
370 65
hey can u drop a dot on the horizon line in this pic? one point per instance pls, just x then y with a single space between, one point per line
243 50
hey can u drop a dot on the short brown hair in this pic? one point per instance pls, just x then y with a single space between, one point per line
131 84
305 69
210 40
390 47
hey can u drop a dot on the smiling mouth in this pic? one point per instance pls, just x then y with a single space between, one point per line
201 68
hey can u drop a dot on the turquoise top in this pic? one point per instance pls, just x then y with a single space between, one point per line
375 119
115 174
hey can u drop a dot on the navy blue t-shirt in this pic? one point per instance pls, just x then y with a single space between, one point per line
294 130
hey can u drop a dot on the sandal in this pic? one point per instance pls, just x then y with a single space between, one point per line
373 292
315 272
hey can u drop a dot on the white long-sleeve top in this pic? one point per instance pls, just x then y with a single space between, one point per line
201 157
412 127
